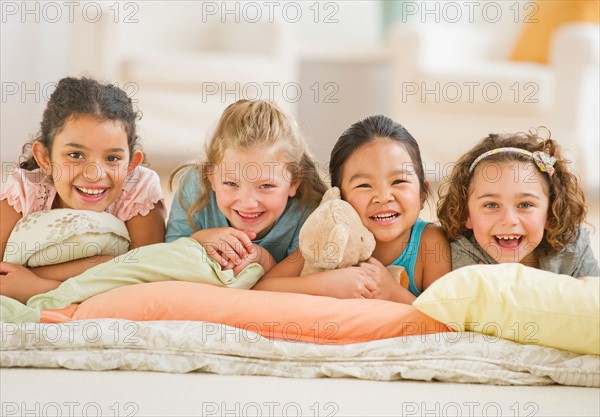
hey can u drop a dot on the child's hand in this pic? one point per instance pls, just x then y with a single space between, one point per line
384 282
20 283
226 245
258 255
352 282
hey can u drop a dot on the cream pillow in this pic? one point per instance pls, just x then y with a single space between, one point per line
55 236
518 303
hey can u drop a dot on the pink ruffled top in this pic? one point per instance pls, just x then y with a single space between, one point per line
31 191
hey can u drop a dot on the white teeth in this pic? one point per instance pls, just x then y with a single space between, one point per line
249 216
91 191
511 237
385 217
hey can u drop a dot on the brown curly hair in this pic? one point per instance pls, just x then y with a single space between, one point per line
247 124
567 208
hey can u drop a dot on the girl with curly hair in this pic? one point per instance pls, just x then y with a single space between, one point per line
512 198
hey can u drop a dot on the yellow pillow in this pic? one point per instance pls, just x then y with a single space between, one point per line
518 303
542 18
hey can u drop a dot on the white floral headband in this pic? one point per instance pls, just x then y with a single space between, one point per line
544 161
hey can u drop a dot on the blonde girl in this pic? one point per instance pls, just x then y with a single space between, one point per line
247 200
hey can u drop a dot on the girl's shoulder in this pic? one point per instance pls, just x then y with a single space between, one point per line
28 191
434 233
141 192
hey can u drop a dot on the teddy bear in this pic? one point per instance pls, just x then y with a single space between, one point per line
333 236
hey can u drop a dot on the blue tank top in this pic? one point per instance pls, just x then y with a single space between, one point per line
408 257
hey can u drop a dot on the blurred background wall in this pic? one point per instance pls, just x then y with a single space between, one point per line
450 71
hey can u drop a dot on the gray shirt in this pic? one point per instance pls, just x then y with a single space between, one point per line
575 259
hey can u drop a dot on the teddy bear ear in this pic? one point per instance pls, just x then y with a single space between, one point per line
332 194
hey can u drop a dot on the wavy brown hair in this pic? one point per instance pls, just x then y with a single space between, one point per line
567 208
249 124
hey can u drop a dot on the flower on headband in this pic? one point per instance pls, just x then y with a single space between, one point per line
544 161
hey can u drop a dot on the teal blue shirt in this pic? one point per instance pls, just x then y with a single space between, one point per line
280 241
408 257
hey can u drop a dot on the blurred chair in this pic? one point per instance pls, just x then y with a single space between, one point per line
452 86
183 67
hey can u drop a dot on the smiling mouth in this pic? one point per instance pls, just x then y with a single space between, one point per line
384 217
92 192
508 241
249 216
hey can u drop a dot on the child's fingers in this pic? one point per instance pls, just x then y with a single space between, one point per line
236 243
370 284
240 267
216 255
7 267
230 265
251 236
365 292
232 252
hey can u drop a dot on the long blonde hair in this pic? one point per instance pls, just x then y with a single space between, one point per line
248 124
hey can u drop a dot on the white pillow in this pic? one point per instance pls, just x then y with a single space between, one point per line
55 236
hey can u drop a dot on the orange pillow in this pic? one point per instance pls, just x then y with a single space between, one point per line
542 18
275 315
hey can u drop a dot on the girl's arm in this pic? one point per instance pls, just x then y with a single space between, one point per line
143 230
10 217
350 282
434 255
148 229
19 282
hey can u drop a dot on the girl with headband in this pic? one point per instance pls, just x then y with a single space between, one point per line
512 198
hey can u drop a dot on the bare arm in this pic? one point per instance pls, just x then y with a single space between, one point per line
148 229
20 282
350 282
434 255
9 218
143 230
